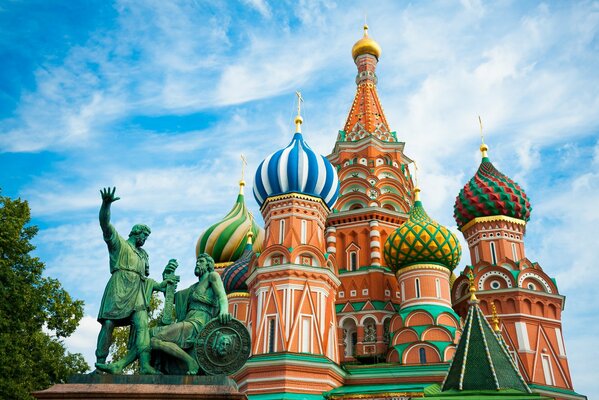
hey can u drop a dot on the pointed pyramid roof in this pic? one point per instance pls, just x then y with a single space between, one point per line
482 361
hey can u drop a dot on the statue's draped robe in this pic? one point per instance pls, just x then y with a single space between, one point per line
193 310
128 289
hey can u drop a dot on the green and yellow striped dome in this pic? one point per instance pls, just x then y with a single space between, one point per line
225 240
421 240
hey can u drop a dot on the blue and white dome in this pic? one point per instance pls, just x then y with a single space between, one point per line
296 169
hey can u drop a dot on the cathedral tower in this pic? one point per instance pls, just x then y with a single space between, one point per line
375 197
423 253
492 211
292 283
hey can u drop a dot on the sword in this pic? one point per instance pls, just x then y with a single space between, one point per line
169 293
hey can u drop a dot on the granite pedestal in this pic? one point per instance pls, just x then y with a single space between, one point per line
122 387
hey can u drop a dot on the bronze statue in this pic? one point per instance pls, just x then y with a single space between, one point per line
127 295
195 307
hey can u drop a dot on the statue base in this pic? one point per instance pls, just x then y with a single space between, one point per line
121 387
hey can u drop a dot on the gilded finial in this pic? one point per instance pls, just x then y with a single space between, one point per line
244 163
483 146
365 29
494 318
298 119
472 287
250 234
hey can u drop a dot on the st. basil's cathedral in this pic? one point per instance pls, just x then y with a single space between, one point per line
349 289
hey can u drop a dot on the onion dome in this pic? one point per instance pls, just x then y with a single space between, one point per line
421 240
296 169
235 275
488 193
366 46
225 240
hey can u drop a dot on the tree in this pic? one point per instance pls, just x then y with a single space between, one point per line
31 305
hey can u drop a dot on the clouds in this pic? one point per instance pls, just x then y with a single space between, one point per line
160 98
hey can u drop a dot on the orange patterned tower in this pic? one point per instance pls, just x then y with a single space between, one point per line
375 196
292 284
492 211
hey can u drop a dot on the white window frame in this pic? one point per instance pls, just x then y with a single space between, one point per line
281 231
493 253
547 370
303 231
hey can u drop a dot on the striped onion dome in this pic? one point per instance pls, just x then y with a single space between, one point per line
235 275
489 193
421 240
296 169
225 240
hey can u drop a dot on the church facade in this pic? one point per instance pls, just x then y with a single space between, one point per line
349 289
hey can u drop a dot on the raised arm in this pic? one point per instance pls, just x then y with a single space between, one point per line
108 198
223 302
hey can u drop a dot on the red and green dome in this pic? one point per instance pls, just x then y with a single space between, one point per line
421 240
488 193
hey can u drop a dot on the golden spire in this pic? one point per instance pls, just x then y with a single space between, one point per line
244 163
494 318
416 188
298 117
483 146
472 287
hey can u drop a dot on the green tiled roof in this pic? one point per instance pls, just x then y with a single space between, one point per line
481 361
433 310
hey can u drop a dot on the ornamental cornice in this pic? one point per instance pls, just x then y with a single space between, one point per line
223 265
237 295
492 218
435 267
293 196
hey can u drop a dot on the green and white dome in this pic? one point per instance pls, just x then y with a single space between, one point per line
226 240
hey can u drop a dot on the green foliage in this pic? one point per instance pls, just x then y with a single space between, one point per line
120 337
30 358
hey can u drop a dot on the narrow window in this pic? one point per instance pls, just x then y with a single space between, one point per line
422 354
353 261
403 292
493 255
235 310
547 370
306 335
417 283
560 342
476 255
281 231
438 287
304 229
514 252
271 335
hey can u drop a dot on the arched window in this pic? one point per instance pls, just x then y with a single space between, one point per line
422 354
493 254
281 231
438 287
403 292
353 261
417 283
514 251
476 255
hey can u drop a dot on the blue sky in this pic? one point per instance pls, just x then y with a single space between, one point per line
160 98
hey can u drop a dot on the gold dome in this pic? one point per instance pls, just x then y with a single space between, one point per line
366 45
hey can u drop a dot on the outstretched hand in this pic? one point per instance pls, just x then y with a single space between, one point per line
108 195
